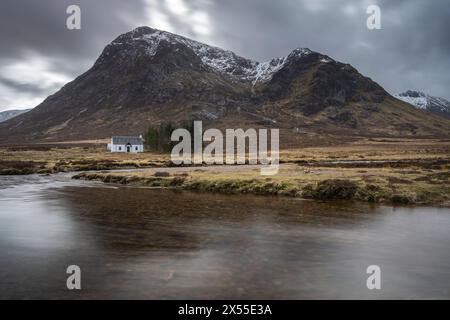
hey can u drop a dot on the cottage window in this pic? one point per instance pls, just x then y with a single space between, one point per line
120 148
136 148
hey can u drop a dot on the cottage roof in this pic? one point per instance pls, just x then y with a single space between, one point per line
127 139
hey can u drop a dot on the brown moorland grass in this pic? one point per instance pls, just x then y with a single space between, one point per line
72 157
407 171
52 159
413 185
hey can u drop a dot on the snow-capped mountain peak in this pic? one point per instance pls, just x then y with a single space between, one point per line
426 102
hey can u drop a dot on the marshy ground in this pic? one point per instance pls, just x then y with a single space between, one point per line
406 171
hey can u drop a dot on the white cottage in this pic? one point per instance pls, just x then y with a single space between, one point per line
126 144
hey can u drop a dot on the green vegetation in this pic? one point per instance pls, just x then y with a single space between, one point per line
157 138
21 167
332 189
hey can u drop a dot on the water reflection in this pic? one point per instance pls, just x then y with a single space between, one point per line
151 243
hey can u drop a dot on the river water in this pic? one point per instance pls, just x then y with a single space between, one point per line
160 244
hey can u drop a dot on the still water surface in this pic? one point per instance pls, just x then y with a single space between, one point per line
157 244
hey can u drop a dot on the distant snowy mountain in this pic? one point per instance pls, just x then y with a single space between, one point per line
8 114
420 100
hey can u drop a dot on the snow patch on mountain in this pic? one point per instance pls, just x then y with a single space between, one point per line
417 99
264 70
426 102
326 60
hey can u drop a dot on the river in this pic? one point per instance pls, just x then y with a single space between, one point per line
166 244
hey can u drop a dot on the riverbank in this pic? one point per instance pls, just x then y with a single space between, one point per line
391 185
405 171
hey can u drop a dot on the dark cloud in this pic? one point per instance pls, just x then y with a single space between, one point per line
411 51
23 87
40 27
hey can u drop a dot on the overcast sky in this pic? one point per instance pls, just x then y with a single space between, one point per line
39 54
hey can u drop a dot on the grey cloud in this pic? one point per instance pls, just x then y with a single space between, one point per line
40 27
411 51
24 87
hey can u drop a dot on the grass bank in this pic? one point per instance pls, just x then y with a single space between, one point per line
412 185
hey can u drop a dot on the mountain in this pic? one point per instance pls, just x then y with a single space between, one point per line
148 76
425 102
9 114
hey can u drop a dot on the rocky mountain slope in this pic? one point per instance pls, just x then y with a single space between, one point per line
148 76
9 114
425 102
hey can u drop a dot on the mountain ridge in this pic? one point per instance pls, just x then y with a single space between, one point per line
221 60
